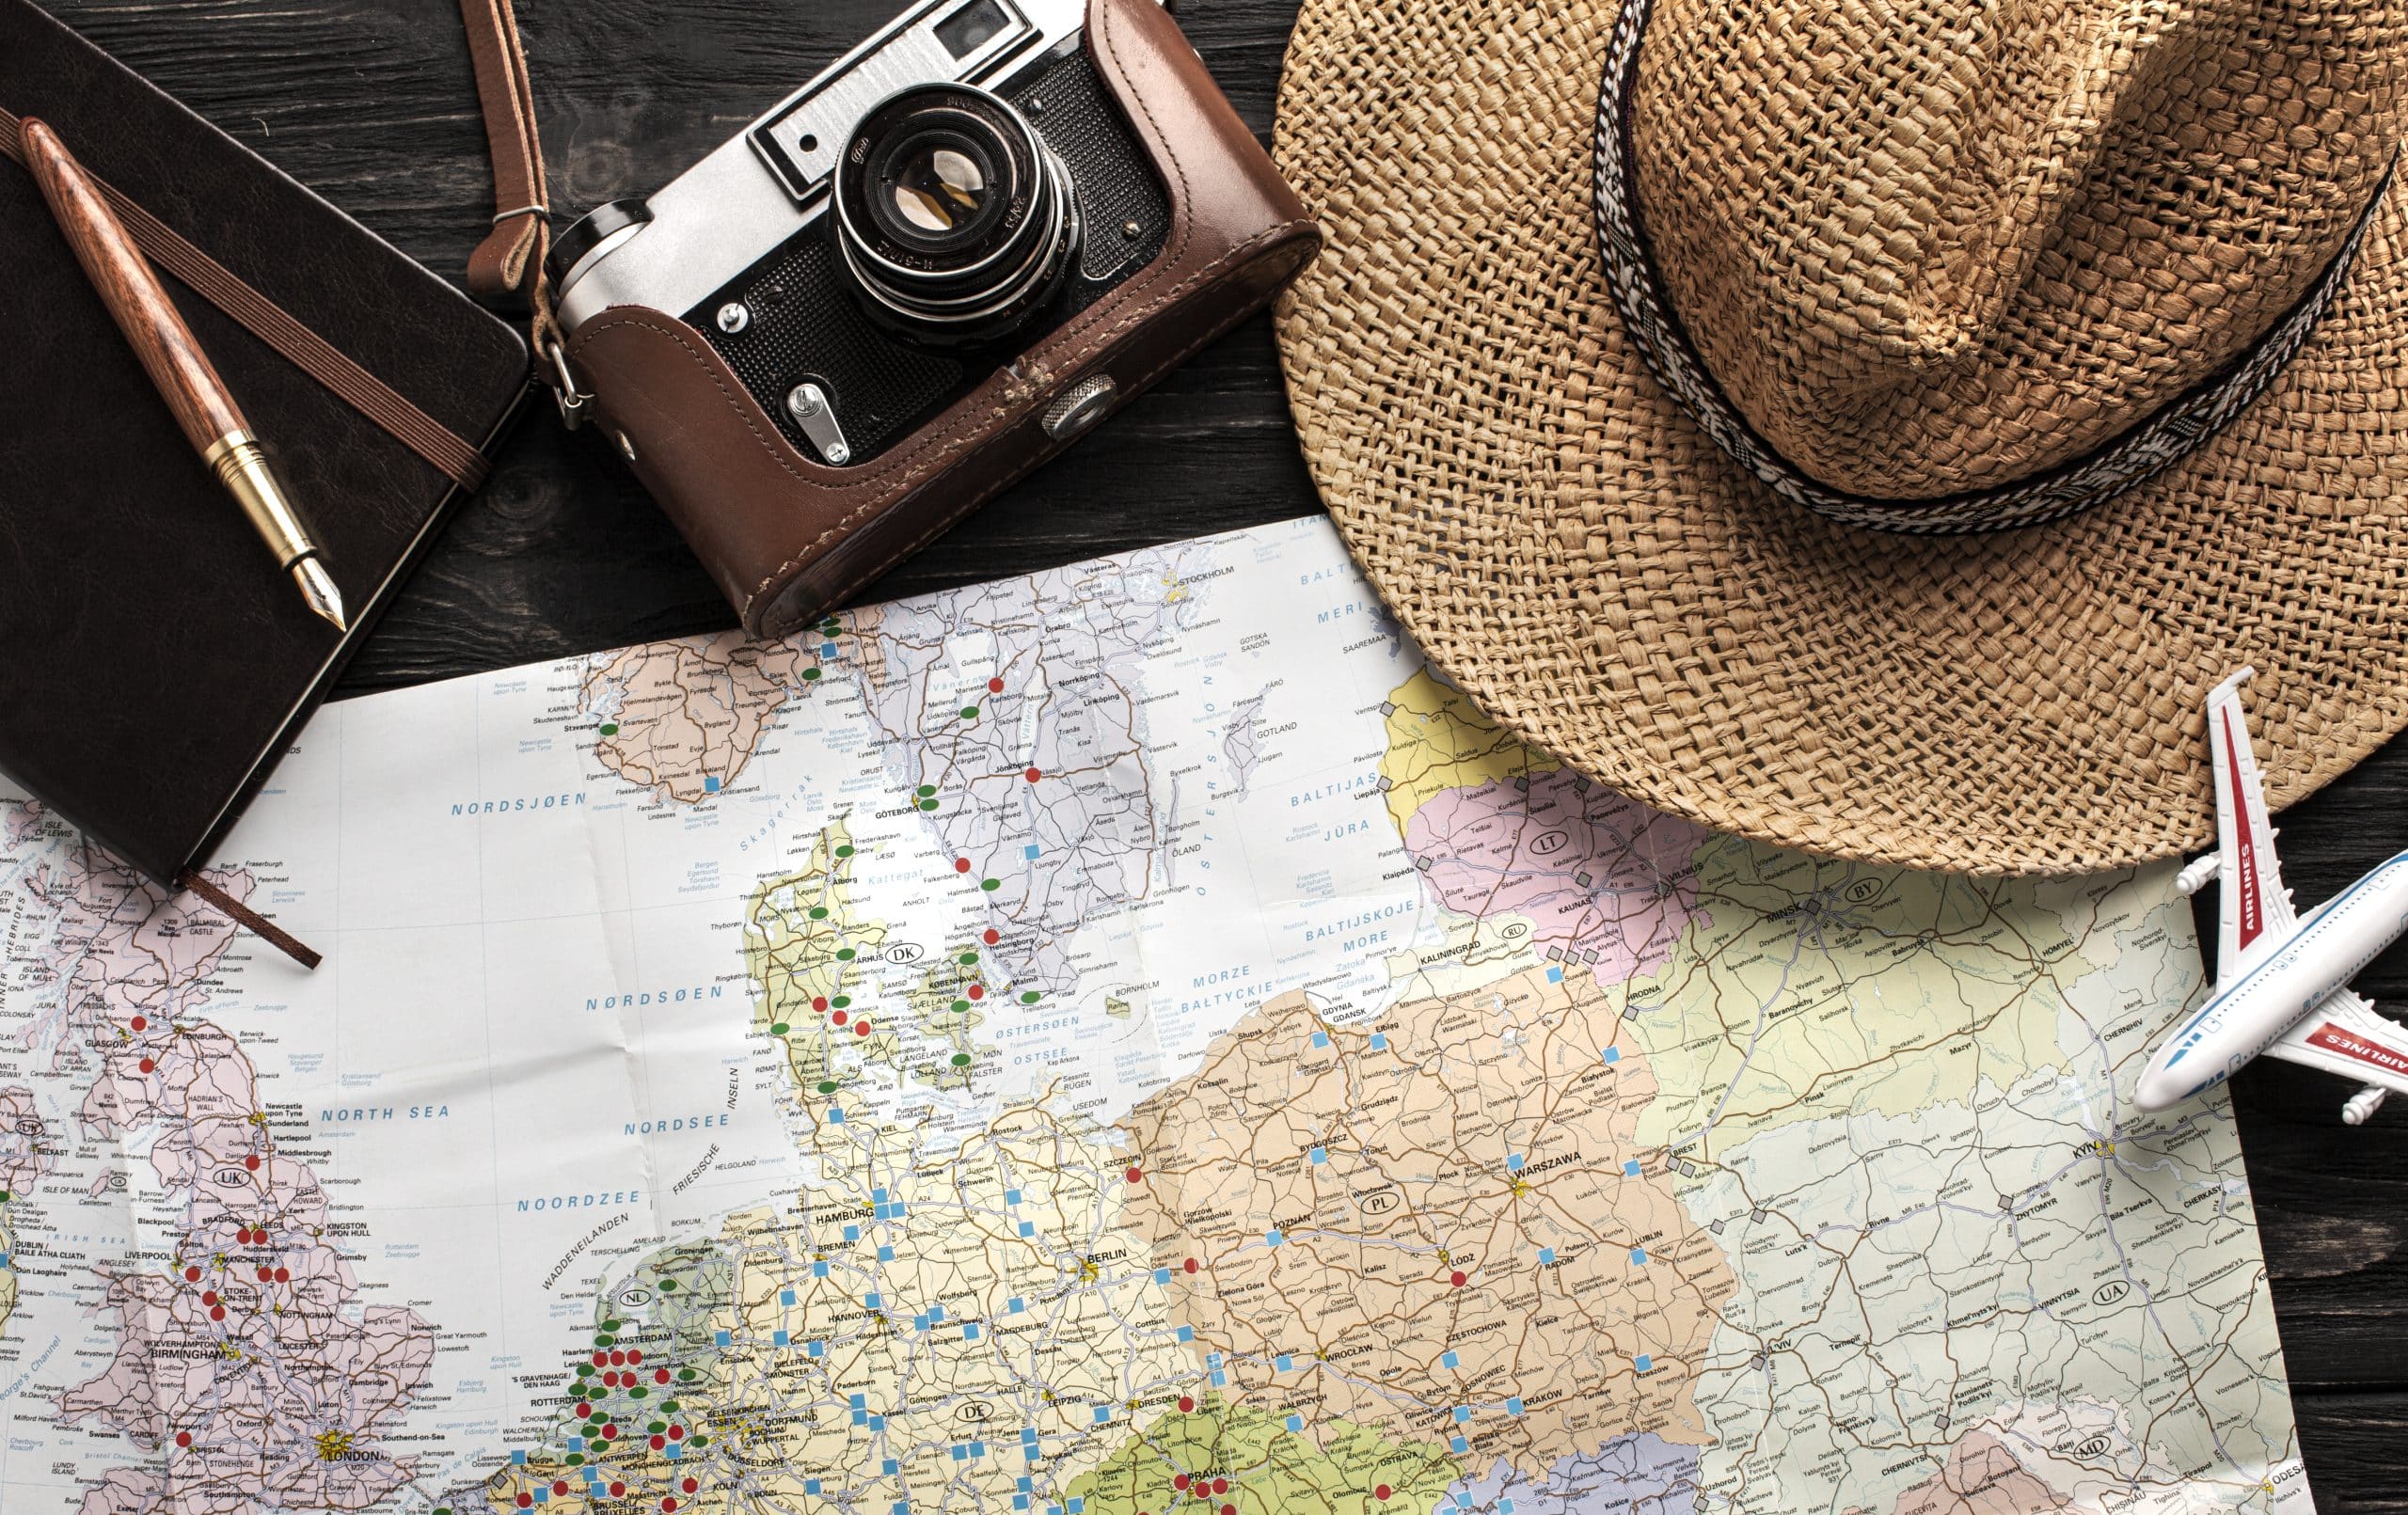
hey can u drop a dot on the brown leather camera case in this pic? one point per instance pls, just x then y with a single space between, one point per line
786 537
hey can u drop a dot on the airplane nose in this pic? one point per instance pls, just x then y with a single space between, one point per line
2156 1090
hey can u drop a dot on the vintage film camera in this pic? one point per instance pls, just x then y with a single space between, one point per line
915 278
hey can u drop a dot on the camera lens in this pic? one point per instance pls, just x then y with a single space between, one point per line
954 219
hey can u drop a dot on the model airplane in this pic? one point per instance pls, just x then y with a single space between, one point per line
2281 982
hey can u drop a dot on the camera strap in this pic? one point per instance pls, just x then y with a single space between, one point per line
509 263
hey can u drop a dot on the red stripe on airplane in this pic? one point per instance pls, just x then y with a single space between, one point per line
2252 912
2334 1039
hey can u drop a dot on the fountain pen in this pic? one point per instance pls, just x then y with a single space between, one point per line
179 369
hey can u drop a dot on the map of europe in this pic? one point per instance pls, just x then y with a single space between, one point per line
1131 1040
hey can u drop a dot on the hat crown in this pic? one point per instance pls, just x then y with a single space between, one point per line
1927 247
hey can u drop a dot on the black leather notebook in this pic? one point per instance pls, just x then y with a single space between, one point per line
154 660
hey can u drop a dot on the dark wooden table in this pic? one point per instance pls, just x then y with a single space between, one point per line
372 102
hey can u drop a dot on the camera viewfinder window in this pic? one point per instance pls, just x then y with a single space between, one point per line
967 29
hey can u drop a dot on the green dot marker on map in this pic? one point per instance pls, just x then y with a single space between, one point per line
780 1029
844 954
1030 998
960 1007
638 1392
810 675
601 1341
820 912
967 958
961 1060
927 789
686 1374
576 1458
656 1427
990 885
928 804
969 712
826 1086
845 851
841 1001
699 1443
668 1286
609 728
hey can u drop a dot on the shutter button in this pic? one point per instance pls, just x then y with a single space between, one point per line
1080 407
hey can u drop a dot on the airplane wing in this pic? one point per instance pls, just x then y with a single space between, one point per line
2345 1035
2254 907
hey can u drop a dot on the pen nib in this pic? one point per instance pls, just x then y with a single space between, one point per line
318 587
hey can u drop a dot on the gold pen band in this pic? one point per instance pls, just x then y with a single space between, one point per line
241 467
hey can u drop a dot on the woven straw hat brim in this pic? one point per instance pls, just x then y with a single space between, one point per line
1574 554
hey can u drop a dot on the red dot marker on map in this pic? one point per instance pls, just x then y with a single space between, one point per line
1191 1265
183 1438
861 1030
1186 1403
610 1434
661 1375
617 1488
1136 1175
1383 1491
977 991
559 1488
191 1275
600 1358
677 1433
1457 1279
1034 775
840 1018
618 1358
146 1065
526 1500
584 1411
658 1442
635 1354
217 1312
284 1275
208 1296
252 1163
266 1274
668 1502
140 1023
994 685
1179 1481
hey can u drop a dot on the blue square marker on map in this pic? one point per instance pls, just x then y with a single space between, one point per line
858 1401
1631 1169
1271 1238
518 1456
885 1254
1103 1416
1513 1406
777 1338
878 1196
1022 1484
785 1296
1295 1423
935 1312
827 649
720 1338
1321 1039
1643 1362
1514 1162
977 1449
1027 1228
1162 1275
1504 1507
920 1322
810 1486
1319 1153
1448 1359
1015 1304
1458 1445
902 1507
873 1300
710 785
819 1269
835 1117
1187 1333
1613 1054
1019 1500
878 1422
1220 1380
1283 1362
817 1348
960 1453
1027 1438
1211 1359
1463 1413
1547 1254
852 1233
1639 1257
1379 1041
970 1331
890 1467
1554 975
1012 1196
1031 851
1078 1506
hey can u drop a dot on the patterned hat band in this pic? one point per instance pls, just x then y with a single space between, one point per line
2147 448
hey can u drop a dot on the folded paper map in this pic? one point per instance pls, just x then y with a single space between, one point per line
1129 1039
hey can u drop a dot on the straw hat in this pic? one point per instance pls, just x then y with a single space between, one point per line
1688 375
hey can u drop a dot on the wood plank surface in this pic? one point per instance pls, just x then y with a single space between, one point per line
372 102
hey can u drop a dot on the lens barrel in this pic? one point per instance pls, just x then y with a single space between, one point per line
953 217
